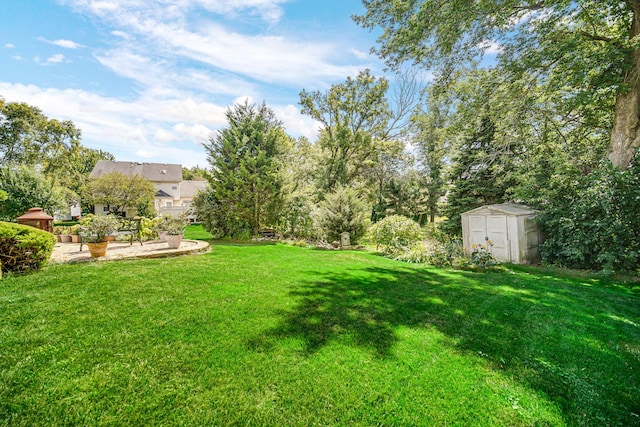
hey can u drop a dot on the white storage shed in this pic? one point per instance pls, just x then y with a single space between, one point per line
511 228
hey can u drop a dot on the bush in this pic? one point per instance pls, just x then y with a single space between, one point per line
343 211
597 226
395 234
24 248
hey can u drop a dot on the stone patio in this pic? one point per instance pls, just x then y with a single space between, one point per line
70 252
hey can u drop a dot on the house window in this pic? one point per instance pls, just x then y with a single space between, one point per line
105 208
174 187
169 204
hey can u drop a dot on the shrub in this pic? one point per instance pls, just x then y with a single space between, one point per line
395 234
597 225
296 220
24 248
343 211
446 251
416 254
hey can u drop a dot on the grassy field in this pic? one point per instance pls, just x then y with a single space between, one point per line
276 335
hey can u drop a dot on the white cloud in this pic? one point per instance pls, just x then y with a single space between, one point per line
9 45
186 67
268 58
169 130
297 124
56 58
67 44
120 34
359 54
268 10
161 77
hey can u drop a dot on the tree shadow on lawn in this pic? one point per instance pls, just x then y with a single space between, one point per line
574 341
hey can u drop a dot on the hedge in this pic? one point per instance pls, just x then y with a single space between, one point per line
23 248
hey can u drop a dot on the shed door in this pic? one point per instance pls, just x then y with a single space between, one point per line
493 228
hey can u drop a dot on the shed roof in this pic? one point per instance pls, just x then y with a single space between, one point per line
154 172
506 208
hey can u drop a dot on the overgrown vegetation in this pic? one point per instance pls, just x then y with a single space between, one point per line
395 234
341 338
596 224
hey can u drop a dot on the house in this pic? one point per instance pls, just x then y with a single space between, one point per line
173 195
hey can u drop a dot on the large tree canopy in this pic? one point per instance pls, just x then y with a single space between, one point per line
585 52
29 137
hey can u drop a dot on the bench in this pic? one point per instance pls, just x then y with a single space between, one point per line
130 226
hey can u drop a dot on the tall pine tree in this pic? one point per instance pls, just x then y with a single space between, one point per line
481 174
246 183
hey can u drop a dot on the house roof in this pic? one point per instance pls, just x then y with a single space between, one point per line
190 188
154 172
163 195
506 208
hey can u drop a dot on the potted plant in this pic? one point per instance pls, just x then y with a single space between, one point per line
173 229
94 232
75 233
63 234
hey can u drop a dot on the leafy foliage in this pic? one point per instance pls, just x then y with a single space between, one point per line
479 175
581 54
246 182
25 188
343 210
595 223
96 228
395 234
23 248
354 116
119 191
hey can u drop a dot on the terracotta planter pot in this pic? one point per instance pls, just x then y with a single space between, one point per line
98 249
65 238
75 238
173 240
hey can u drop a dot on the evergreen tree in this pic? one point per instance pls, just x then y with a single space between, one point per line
246 183
481 174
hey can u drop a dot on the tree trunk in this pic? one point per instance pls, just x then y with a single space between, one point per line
625 136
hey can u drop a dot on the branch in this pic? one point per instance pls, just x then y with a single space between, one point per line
596 37
535 6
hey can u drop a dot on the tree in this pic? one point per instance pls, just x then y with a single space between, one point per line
25 187
478 176
583 53
343 210
354 114
29 137
246 180
195 173
119 192
431 138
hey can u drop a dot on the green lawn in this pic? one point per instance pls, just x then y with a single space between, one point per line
196 232
276 335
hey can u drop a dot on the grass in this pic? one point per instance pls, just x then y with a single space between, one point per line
196 232
279 335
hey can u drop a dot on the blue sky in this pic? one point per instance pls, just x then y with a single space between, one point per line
150 80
